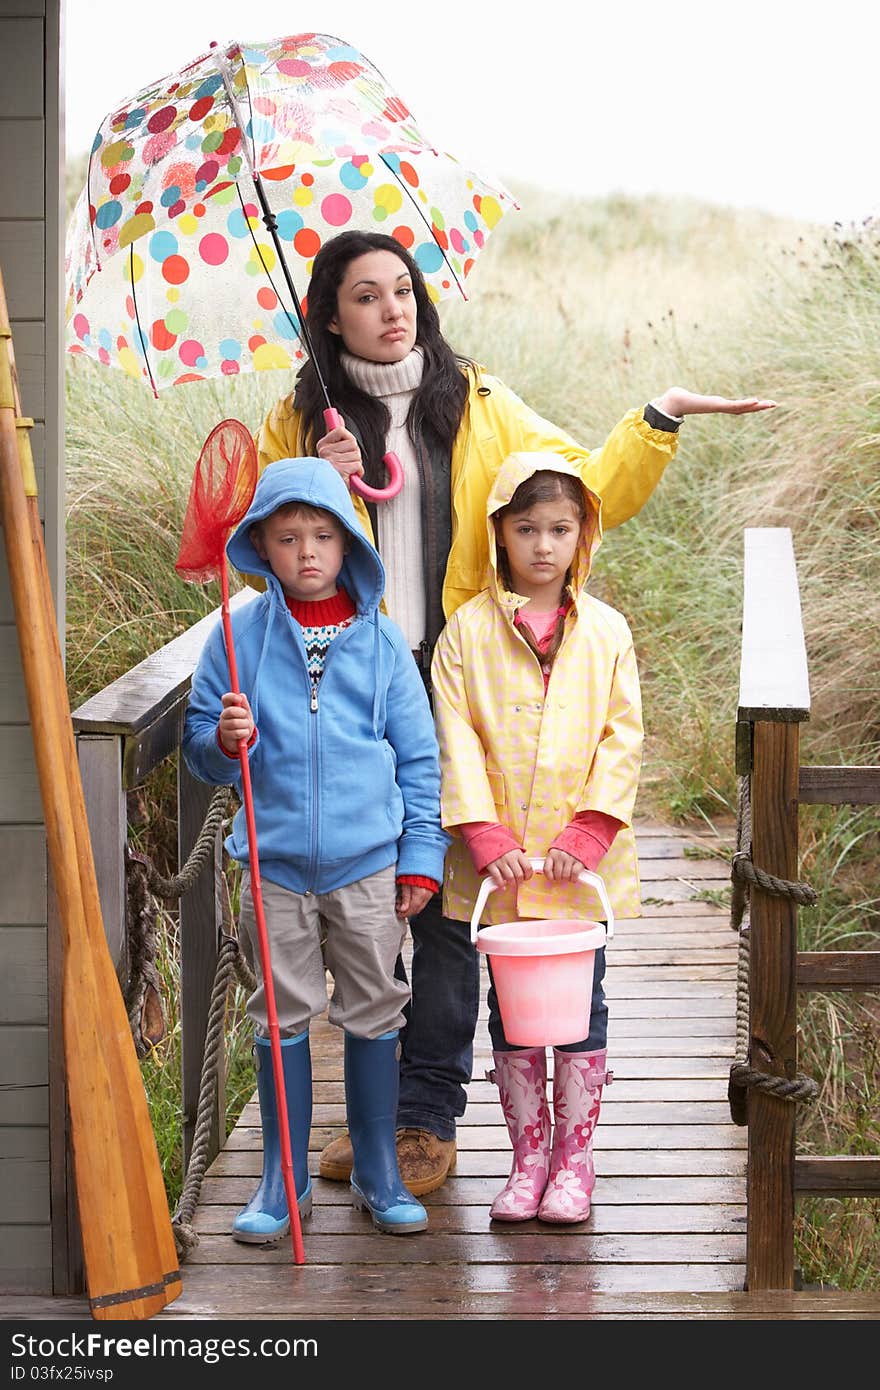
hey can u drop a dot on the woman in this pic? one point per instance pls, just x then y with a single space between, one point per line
399 386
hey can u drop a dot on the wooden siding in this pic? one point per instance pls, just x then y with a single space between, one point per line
31 238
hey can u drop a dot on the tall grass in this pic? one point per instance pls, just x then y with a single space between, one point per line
587 308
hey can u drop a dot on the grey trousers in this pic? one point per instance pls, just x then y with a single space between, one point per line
353 932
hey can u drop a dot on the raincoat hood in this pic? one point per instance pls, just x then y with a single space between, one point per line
316 483
515 469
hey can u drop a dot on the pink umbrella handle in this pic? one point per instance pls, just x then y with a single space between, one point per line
333 420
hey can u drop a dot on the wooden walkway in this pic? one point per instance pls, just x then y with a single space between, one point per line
667 1235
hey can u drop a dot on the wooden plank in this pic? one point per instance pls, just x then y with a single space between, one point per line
334 1219
25 1259
24 163
839 786
709 1090
838 969
773 684
23 900
20 801
24 1176
24 1094
773 1008
659 1163
23 998
13 699
492 1137
461 1303
850 1175
22 256
100 769
30 363
615 1111
460 1191
23 86
537 1246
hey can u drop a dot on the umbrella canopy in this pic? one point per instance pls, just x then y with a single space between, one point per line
170 272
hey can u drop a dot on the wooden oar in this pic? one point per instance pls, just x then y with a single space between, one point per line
128 1244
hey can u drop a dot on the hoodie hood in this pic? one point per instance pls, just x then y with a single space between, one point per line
316 483
515 469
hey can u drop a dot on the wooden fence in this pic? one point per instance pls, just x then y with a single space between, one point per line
774 698
126 730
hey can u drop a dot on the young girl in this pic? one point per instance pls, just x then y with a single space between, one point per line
399 385
536 699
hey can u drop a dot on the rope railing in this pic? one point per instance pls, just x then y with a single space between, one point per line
744 875
143 992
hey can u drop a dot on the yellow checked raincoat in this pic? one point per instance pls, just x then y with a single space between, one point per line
624 472
510 753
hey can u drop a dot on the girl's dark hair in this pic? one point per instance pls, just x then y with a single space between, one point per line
436 410
543 486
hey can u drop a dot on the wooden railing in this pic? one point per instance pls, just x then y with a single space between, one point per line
774 698
123 733
126 730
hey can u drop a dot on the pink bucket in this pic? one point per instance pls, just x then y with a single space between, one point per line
543 970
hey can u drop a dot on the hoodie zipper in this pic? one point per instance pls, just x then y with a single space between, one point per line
315 761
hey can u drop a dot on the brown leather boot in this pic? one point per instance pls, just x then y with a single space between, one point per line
425 1161
337 1159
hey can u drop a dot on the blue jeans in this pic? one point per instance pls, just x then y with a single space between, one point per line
598 1035
437 1040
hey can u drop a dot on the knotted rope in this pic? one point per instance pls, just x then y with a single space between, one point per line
143 879
143 990
744 873
230 962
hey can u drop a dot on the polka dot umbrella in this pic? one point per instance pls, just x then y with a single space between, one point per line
210 192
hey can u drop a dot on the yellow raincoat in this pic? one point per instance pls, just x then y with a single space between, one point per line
510 753
495 423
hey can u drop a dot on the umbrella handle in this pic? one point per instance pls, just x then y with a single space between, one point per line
333 420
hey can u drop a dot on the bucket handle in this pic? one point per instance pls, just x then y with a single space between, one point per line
489 885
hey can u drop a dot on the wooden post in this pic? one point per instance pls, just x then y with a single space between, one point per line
773 1009
774 696
100 765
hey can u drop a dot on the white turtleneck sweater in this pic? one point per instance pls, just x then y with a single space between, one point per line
399 538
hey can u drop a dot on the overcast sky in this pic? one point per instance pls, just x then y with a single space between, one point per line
770 105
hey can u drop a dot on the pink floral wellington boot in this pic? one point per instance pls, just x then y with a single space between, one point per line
521 1078
578 1078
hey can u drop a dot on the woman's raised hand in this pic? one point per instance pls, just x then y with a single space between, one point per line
339 447
678 401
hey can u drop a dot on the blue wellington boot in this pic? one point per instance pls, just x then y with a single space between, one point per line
372 1082
266 1216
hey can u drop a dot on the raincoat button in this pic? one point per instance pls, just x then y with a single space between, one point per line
517 708
538 705
523 806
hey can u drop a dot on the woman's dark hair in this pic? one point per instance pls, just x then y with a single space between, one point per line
436 410
543 486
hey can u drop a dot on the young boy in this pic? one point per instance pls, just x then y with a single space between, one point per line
346 789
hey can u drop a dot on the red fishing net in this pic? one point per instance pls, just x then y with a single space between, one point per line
222 488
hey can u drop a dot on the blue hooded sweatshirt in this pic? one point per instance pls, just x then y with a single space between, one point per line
351 786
